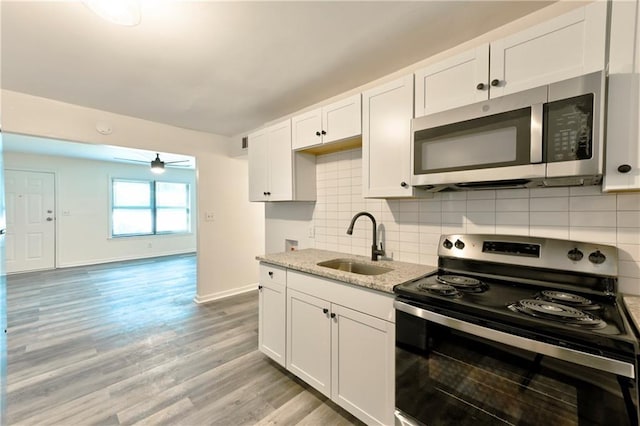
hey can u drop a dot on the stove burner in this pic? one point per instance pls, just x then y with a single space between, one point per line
462 283
557 312
568 299
439 288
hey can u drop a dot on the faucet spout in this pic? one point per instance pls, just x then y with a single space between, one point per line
375 251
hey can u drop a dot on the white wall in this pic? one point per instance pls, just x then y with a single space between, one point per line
82 190
227 246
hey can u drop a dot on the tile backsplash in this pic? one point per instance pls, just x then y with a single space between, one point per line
410 229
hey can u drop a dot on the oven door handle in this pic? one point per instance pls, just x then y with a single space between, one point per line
598 362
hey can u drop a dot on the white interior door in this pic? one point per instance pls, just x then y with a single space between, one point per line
30 204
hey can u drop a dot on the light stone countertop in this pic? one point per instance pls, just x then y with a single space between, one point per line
306 261
632 302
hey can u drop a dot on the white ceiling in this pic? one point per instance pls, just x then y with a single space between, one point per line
35 145
228 67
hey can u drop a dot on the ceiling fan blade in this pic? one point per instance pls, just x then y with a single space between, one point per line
130 159
179 161
184 166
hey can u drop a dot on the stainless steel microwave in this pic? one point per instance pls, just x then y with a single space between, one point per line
547 136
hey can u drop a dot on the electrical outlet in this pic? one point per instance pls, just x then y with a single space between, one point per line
312 231
209 217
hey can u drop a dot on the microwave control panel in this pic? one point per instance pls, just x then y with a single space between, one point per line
568 129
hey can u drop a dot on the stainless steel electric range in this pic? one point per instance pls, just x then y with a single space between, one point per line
516 330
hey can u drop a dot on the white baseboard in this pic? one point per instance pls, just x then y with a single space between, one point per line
223 294
121 259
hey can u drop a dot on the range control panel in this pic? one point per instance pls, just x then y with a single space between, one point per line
547 253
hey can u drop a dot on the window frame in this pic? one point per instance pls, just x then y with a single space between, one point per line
153 208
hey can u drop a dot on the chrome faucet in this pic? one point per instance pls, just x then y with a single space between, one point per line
375 251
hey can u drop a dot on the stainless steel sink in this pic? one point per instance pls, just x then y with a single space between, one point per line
350 265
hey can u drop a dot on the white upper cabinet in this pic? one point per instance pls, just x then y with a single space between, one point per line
386 140
622 172
275 172
460 80
567 46
337 121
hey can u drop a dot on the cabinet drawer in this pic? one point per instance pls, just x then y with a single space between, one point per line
361 299
272 274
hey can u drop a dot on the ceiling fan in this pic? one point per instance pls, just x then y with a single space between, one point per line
157 165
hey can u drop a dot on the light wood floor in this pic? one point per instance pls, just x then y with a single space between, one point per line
124 343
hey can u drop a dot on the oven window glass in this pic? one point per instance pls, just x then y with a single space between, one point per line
494 141
446 377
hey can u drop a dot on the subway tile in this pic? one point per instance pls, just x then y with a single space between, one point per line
429 248
409 257
454 206
593 234
603 219
410 217
409 247
585 190
628 269
481 205
481 218
593 203
409 237
431 217
409 206
344 199
629 252
453 196
344 174
409 226
513 193
430 206
548 192
454 228
512 218
628 219
549 231
512 205
549 219
512 229
629 285
426 228
549 204
628 235
629 201
488 194
474 228
452 218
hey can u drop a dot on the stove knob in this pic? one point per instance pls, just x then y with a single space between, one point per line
575 254
447 244
459 244
597 257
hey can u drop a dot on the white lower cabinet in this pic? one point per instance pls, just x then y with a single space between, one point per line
347 353
272 312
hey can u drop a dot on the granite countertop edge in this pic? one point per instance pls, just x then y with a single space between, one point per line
632 302
306 260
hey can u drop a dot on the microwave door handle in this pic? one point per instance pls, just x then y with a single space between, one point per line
536 133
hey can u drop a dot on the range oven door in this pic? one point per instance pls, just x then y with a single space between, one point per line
495 140
446 376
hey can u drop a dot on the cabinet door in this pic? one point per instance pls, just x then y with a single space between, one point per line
280 162
459 80
387 111
564 47
272 320
342 119
258 166
309 340
306 129
363 365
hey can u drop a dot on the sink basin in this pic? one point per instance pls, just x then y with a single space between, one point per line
350 265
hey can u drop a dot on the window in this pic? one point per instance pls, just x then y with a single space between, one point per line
149 207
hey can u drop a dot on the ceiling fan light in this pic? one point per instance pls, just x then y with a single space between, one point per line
121 12
157 165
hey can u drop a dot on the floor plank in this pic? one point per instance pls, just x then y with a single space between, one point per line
121 344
